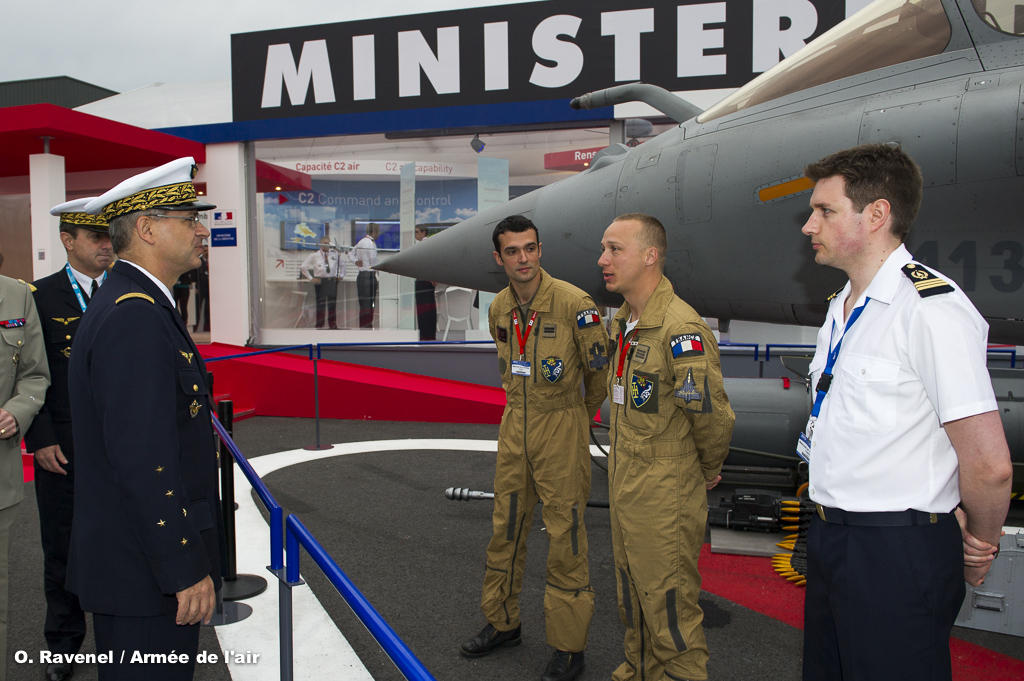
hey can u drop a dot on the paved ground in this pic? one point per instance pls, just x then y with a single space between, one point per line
419 559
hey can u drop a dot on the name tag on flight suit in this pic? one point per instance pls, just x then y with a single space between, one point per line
520 367
619 394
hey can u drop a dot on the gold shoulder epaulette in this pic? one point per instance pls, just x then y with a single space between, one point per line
834 294
926 283
135 294
30 286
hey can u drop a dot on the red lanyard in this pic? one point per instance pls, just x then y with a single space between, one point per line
523 336
623 351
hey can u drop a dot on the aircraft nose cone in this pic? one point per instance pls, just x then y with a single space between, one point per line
460 255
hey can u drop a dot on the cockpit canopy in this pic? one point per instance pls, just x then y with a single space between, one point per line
884 33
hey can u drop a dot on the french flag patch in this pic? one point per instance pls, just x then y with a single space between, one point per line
687 345
12 323
588 318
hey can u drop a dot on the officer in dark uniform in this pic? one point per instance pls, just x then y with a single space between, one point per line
144 553
61 299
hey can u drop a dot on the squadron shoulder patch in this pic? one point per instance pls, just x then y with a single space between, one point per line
597 358
12 323
588 318
687 345
134 294
502 334
926 283
688 392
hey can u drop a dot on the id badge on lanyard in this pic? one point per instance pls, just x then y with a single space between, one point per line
803 443
521 366
619 390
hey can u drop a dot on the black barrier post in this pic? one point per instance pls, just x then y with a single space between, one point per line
316 447
234 587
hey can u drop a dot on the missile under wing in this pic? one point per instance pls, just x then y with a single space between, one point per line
942 78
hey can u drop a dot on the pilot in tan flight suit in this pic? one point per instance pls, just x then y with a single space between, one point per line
670 429
550 340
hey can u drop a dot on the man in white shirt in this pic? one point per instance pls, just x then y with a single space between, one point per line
325 268
364 255
904 428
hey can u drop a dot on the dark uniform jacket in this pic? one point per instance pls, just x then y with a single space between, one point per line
146 510
60 315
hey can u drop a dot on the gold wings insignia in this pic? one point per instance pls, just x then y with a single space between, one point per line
187 355
65 320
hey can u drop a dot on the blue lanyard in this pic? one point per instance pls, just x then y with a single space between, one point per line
826 376
75 287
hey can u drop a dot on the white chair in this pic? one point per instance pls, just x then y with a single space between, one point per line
304 312
457 307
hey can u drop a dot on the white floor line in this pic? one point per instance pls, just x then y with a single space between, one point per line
318 644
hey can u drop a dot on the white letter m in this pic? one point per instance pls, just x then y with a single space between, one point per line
313 66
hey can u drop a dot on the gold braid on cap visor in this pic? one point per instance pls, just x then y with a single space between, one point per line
168 195
86 219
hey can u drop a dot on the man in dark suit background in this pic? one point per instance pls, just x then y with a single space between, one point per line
145 557
61 299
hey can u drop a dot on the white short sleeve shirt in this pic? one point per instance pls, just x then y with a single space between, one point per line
909 364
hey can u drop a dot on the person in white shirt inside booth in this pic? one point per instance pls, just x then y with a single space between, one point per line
904 428
364 255
325 268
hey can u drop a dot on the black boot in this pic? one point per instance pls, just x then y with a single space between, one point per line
488 639
563 666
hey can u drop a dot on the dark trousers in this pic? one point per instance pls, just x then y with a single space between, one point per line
426 310
326 299
141 635
181 296
64 627
202 310
366 290
881 601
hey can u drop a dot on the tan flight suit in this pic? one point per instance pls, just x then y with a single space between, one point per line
544 455
670 436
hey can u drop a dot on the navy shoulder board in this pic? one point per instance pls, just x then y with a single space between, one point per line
926 283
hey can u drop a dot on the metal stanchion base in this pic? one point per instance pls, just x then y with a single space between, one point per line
231 612
317 448
242 587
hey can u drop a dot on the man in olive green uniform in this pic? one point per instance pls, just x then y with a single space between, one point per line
24 377
670 429
550 340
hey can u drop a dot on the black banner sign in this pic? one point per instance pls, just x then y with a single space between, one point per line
516 53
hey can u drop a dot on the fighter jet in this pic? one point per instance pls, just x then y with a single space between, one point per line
941 78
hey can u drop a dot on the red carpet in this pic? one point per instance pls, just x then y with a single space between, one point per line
749 581
281 384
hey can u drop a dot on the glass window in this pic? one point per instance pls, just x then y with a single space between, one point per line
1003 15
882 34
318 199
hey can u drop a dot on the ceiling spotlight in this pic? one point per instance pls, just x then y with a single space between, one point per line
476 143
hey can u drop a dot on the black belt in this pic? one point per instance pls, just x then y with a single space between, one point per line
838 516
